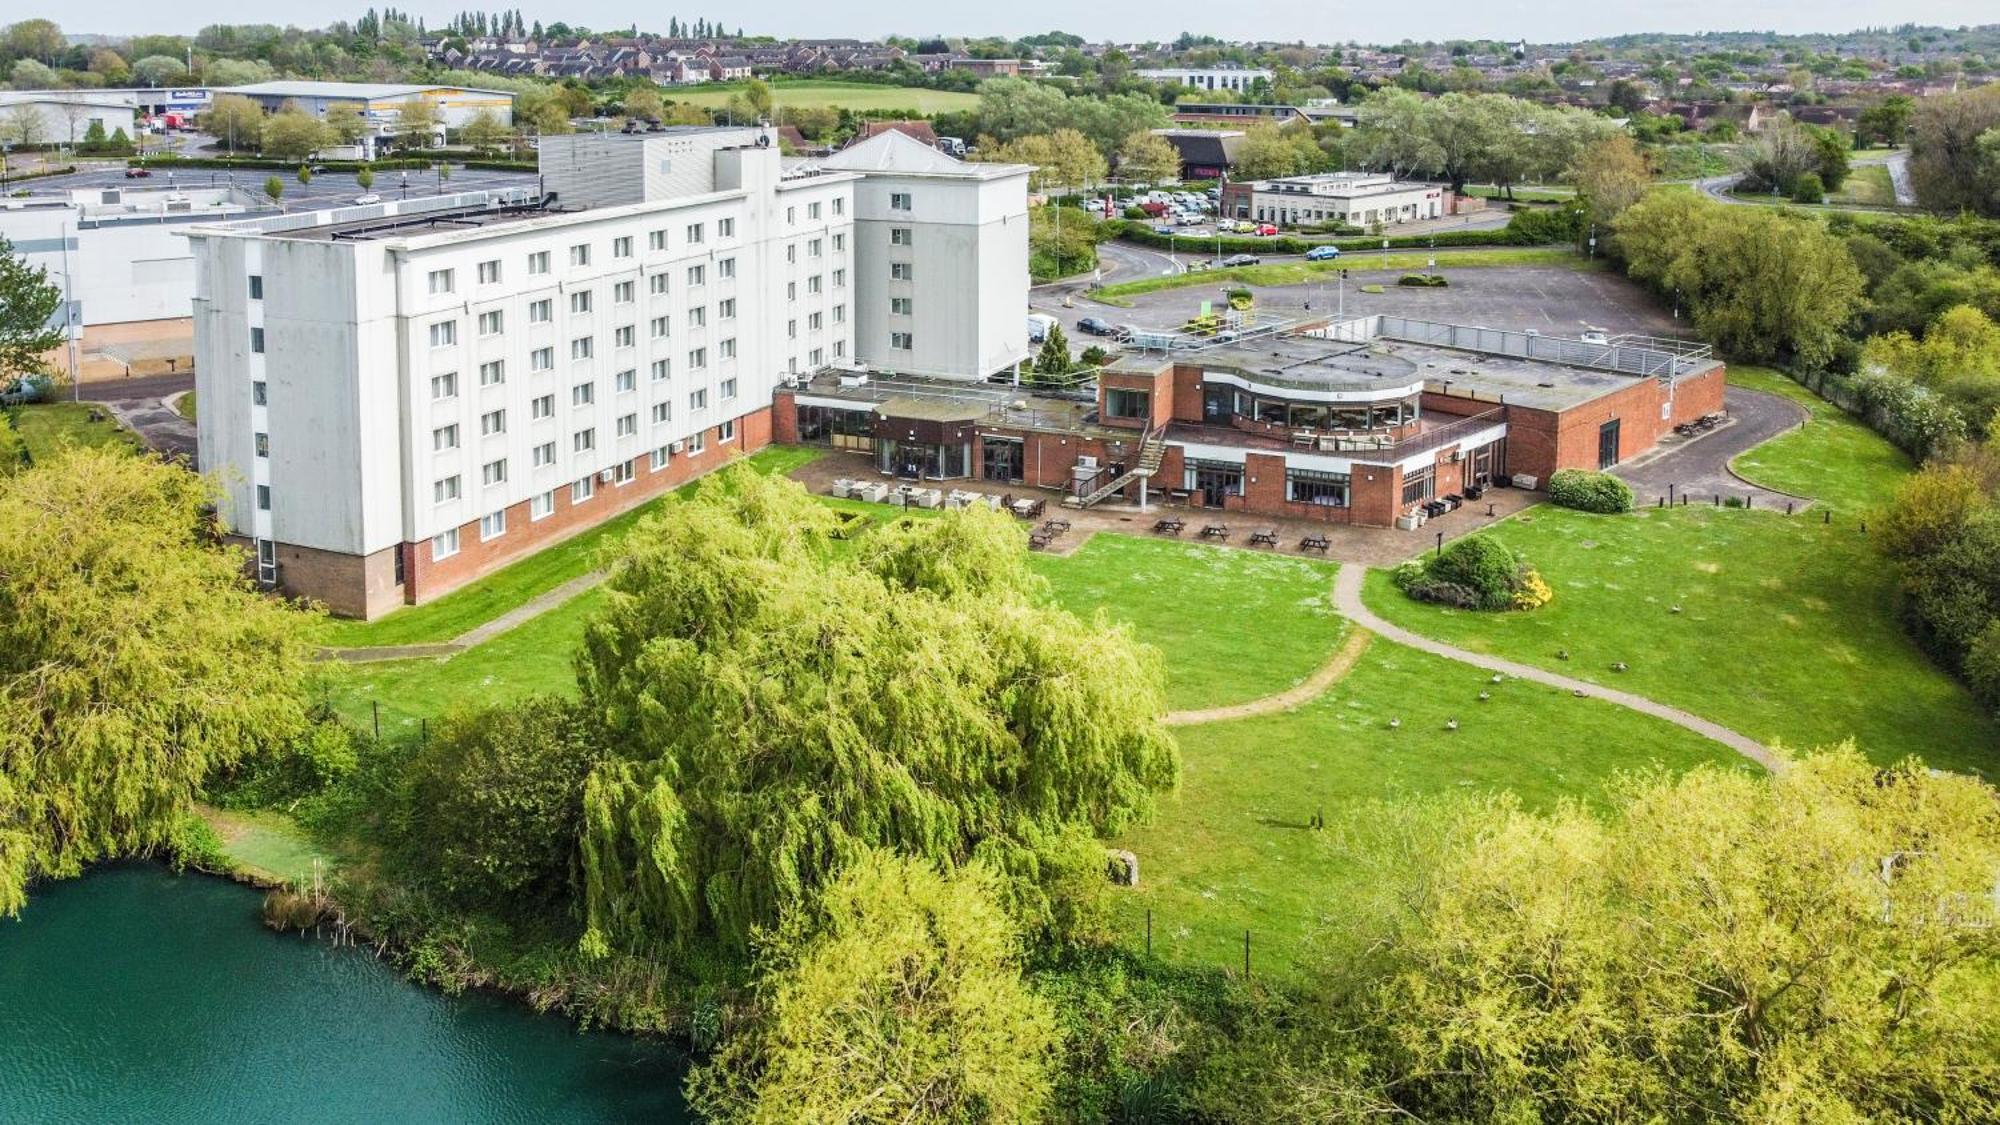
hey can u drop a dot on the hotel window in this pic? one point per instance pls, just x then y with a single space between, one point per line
583 441
840 314
726 349
726 268
621 247
791 290
901 341
698 316
840 279
791 215
792 253
727 389
813 284
625 292
899 305
817 357
627 425
726 431
1314 486
583 394
445 385
725 228
538 262
583 347
697 359
659 327
656 240
624 336
263 445
444 544
661 370
492 525
726 310
544 454
490 323
542 311
441 281
899 236
698 400
582 490
839 243
815 321
492 422
792 329
257 340
1122 403
697 275
625 380
840 347
579 302
900 271
1417 486
899 201
492 373
544 504
694 234
840 206
489 272
623 472
542 359
815 248
812 210
493 472
542 406
579 255
660 457
697 442
445 490
257 392
661 413
263 497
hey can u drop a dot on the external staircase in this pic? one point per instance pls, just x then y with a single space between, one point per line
1150 452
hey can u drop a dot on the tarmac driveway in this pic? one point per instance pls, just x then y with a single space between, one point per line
1698 467
140 405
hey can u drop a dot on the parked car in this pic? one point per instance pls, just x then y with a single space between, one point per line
1094 206
1235 260
137 173
1266 229
365 200
1189 219
1201 266
1123 332
1215 193
1096 326
1038 327
1322 253
1164 229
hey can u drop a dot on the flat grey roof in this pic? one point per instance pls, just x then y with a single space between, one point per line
300 88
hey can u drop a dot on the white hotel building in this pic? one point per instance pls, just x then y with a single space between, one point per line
401 397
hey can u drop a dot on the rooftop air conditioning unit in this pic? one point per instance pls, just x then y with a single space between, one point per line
1086 461
604 475
677 447
853 378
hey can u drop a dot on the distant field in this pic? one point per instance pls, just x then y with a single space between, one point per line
1868 185
840 95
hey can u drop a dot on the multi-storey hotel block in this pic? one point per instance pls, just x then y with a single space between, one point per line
400 397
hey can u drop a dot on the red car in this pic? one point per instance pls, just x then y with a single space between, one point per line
1267 229
137 173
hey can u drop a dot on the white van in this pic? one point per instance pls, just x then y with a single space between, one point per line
1038 327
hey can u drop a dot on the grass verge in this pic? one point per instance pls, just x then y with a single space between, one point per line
46 427
1833 458
1866 185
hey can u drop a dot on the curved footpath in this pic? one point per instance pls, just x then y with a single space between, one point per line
1347 598
1312 687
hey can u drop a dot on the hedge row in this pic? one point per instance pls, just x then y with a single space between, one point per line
16 177
1589 492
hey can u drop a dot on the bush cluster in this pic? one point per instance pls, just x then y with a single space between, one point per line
1943 528
1476 572
1589 492
1423 280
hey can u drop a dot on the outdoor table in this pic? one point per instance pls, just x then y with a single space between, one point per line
1055 527
1168 527
1268 537
1037 541
1215 531
1314 543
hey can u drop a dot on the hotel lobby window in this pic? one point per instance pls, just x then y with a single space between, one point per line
1121 403
1313 486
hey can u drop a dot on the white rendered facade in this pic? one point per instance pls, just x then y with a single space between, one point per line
1357 198
1208 78
444 385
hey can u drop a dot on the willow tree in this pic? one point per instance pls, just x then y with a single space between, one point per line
134 659
776 704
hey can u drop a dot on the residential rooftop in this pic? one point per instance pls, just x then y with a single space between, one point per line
299 88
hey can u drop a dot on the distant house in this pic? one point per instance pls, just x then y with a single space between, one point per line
1232 113
915 130
1206 154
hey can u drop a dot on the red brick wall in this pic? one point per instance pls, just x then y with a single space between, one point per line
785 417
1187 394
1640 425
428 578
1159 406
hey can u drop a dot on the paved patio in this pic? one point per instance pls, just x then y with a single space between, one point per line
1369 546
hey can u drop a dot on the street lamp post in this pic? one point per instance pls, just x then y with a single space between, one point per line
69 322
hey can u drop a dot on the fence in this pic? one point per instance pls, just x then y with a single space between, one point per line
1632 355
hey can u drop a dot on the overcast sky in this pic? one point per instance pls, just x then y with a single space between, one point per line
1127 20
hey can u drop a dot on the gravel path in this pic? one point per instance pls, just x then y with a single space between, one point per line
1347 598
480 634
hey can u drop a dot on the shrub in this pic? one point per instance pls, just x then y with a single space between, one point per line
1808 188
1423 280
1476 572
1589 492
1982 666
1952 595
1929 509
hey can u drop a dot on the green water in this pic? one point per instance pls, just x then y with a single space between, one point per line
135 995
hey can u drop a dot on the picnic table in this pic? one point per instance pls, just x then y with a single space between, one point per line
1054 526
1314 543
1038 540
1215 531
1169 526
1268 537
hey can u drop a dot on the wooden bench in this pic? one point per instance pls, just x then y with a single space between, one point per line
1267 537
1168 527
1037 541
1054 527
1314 543
1215 531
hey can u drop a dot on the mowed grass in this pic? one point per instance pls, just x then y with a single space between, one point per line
1297 273
839 95
1232 851
1833 458
1232 625
513 585
45 428
1787 630
264 844
1866 185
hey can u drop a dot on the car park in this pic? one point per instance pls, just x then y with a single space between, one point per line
1095 326
1235 260
1322 253
1188 219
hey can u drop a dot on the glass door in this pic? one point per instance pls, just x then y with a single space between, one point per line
1607 444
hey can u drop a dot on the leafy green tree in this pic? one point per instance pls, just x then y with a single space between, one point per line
294 135
774 708
27 74
234 120
1887 121
1053 359
28 301
416 123
134 660
1808 188
159 70
895 996
35 39
364 178
275 188
1818 945
1929 509
1611 175
1948 169
347 123
1267 152
642 102
484 131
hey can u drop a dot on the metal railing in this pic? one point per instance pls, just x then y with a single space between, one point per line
1648 356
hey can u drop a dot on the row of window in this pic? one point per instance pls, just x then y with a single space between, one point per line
443 282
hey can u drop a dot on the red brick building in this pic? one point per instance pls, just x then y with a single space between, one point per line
1366 422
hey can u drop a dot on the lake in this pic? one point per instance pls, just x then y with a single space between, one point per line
133 994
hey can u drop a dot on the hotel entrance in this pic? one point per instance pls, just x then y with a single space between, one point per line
1214 481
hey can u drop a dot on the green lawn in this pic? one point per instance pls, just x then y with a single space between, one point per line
1867 185
504 589
1787 633
1833 458
265 844
1196 603
47 427
840 95
1297 273
1231 850
185 406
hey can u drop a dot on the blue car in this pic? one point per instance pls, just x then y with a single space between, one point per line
1163 229
1322 253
